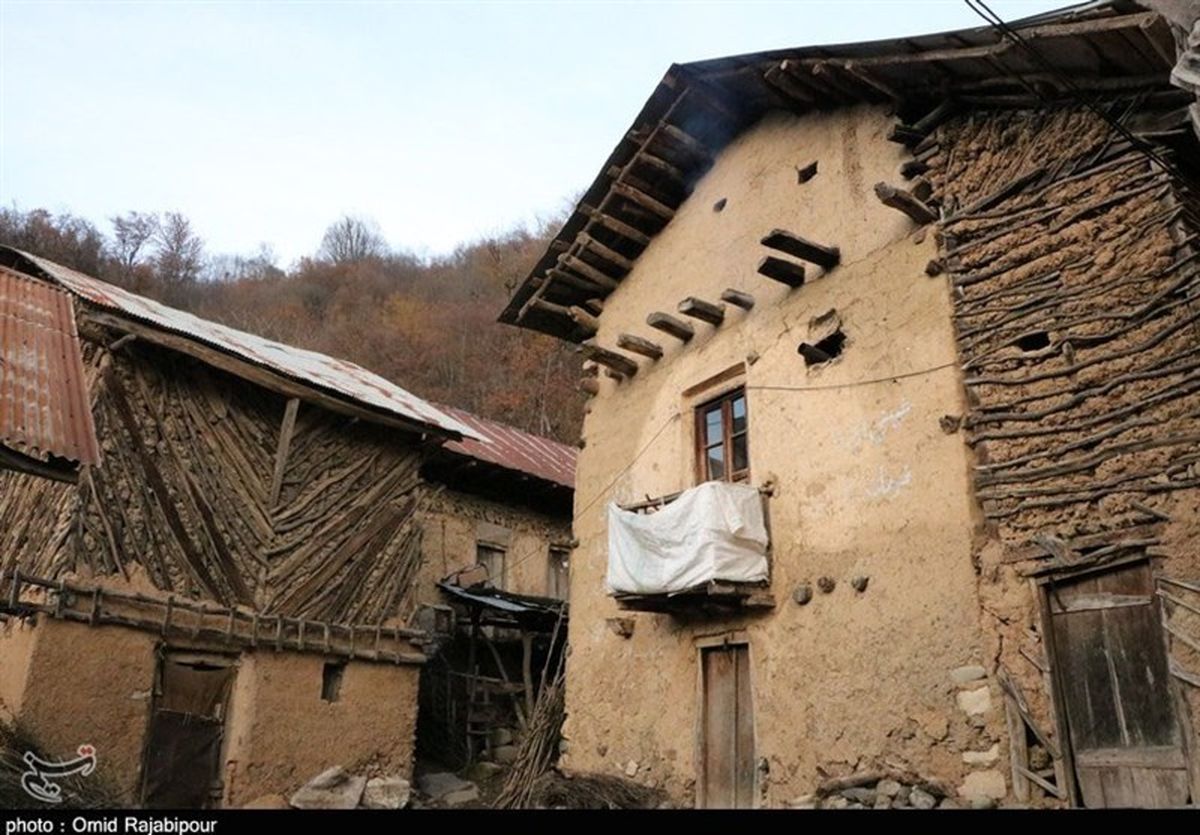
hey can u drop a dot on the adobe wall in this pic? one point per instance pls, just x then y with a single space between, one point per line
866 482
85 685
281 733
452 526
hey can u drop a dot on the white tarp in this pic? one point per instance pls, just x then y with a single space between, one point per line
711 532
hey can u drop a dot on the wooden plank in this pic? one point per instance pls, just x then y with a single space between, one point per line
898 198
719 734
281 451
785 272
668 324
802 248
1160 756
738 299
1092 602
638 345
744 761
713 314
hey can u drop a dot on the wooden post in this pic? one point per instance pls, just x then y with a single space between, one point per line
527 669
714 314
670 325
281 452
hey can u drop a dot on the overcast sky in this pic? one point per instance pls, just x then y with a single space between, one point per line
443 121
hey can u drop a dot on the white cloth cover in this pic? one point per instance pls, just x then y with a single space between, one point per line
711 532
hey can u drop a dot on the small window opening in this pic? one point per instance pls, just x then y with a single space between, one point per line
720 204
1034 341
331 680
825 350
806 173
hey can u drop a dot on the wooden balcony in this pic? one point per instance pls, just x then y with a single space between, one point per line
714 597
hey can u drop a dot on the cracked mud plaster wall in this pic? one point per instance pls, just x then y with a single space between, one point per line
867 483
1093 429
281 733
451 530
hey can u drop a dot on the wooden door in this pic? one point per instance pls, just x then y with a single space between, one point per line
726 729
181 767
1111 670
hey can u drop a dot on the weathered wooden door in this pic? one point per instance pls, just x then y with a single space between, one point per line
181 768
726 729
1111 669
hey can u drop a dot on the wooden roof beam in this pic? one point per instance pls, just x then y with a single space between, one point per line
904 201
714 314
587 242
689 143
802 248
586 321
621 228
738 299
640 198
668 324
617 363
592 274
637 345
785 272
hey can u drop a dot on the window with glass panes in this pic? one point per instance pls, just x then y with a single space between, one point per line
722 453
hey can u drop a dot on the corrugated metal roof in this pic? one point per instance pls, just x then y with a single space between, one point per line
513 449
44 404
344 378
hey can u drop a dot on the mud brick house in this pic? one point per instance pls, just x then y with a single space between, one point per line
219 600
493 581
934 300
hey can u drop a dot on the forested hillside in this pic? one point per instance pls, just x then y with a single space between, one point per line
429 325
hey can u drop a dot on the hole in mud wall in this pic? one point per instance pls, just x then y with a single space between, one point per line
331 680
825 350
806 172
720 204
1034 341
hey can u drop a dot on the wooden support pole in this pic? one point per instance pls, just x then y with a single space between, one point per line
668 324
640 198
621 228
281 452
802 248
714 314
898 198
611 360
637 345
782 271
738 299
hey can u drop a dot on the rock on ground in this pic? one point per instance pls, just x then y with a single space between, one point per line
446 788
332 789
386 793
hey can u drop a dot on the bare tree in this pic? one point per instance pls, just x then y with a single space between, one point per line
351 239
132 234
179 254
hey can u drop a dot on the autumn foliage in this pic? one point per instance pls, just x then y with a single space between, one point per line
427 324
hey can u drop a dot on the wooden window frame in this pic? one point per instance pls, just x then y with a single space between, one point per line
555 554
725 402
493 549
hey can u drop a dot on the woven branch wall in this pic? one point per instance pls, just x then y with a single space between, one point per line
184 493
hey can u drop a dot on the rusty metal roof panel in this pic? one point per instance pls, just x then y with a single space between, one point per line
339 376
44 405
513 449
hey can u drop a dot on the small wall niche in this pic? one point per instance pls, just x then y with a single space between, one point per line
1036 341
332 674
826 339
